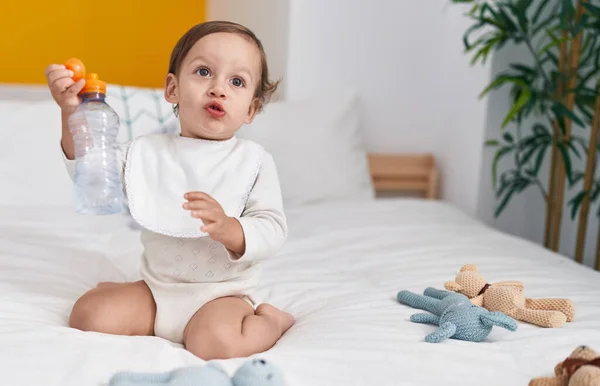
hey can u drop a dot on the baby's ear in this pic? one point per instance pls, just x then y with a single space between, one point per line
171 89
468 267
452 286
255 105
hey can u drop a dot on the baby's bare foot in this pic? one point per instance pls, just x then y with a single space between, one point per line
283 319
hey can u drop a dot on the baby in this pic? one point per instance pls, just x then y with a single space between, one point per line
209 204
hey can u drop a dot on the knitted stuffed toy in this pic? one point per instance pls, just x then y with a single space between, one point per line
254 372
508 297
581 368
455 315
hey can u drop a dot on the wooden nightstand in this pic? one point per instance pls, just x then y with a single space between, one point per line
410 173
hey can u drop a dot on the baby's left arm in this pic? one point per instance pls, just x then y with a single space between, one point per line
263 220
261 229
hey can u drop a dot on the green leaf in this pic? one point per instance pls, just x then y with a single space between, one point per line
485 50
575 203
491 142
574 149
504 183
468 33
539 159
592 9
504 201
544 24
517 107
499 154
579 26
538 12
523 68
541 130
566 13
588 48
582 142
567 161
528 154
520 13
506 19
487 8
584 81
508 138
473 9
518 185
577 176
555 42
562 111
501 80
550 55
595 191
530 172
589 114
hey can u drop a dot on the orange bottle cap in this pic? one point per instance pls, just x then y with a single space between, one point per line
93 84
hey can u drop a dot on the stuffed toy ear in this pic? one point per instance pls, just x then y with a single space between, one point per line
558 369
468 267
452 286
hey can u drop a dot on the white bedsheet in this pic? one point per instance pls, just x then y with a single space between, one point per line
338 273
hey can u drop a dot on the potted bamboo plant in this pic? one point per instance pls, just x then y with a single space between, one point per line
555 96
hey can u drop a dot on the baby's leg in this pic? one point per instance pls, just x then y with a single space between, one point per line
230 328
116 308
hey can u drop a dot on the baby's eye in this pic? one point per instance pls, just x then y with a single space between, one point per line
237 82
203 72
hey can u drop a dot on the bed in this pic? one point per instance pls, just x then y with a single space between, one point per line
346 257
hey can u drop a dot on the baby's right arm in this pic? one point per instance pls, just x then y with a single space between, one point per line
65 92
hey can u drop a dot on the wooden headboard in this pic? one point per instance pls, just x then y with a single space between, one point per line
405 173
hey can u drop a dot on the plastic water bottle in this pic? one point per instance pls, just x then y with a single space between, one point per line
94 126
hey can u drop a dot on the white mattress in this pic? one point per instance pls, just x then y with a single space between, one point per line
338 274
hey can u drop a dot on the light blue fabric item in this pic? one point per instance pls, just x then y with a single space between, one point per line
254 372
455 315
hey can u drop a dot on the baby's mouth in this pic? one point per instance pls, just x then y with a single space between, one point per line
215 109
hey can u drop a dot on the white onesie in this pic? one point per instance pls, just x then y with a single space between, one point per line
183 267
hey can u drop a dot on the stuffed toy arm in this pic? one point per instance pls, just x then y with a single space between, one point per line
425 318
445 331
421 302
499 319
436 293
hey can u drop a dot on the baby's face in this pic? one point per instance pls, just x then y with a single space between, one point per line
216 85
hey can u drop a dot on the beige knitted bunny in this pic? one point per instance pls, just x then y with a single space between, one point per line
508 297
581 368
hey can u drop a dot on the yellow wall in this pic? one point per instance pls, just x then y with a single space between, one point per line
124 41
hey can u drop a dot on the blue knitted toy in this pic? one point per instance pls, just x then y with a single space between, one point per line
254 372
455 315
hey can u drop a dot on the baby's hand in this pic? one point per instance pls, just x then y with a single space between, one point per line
217 224
63 88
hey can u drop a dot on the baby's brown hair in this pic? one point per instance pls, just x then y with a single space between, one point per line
265 88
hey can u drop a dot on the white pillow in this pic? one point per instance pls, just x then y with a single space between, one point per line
31 169
141 111
318 148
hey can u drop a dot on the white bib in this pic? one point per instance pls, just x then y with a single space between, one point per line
161 168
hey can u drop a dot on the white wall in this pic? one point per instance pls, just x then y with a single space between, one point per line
418 91
268 19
